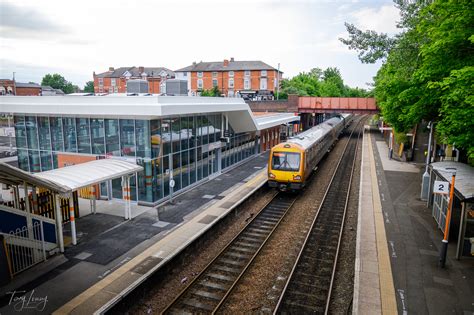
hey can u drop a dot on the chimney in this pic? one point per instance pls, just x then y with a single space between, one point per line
226 62
231 59
194 63
111 69
141 70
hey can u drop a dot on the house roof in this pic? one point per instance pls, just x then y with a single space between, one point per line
27 85
464 183
134 71
233 66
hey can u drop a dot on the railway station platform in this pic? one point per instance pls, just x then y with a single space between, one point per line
398 243
114 256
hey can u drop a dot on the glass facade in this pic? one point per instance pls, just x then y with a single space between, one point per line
186 148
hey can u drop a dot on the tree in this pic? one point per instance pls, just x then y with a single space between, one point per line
214 92
57 81
427 71
89 87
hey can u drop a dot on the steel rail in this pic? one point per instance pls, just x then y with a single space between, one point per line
174 305
313 224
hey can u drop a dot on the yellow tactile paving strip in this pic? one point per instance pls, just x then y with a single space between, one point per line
97 297
387 290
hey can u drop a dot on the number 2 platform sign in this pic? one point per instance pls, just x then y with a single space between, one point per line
441 187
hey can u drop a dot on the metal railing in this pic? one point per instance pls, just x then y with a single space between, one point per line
26 247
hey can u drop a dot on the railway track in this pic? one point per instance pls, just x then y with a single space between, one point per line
308 288
206 293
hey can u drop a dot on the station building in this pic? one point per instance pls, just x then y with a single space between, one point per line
185 140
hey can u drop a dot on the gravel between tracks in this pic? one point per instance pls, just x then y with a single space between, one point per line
172 284
259 289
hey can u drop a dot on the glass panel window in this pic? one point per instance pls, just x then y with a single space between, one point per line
231 83
156 138
214 82
23 160
20 133
263 83
177 171
43 133
199 83
199 74
285 161
31 132
101 81
127 137
214 75
69 128
142 132
35 164
184 168
247 73
246 84
166 136
192 131
56 126
112 137
112 81
83 135
46 161
98 136
176 134
231 74
263 73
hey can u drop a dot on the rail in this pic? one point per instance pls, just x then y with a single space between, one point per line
207 292
309 285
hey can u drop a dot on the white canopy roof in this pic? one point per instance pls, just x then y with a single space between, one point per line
82 175
142 107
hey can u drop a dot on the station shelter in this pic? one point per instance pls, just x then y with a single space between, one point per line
31 221
461 227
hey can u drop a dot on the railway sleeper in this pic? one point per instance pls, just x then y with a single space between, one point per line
197 304
214 285
237 255
220 277
207 295
227 269
232 262
243 249
242 243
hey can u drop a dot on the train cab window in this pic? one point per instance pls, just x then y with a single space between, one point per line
286 161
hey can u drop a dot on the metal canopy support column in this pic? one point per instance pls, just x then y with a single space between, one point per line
72 219
59 223
126 196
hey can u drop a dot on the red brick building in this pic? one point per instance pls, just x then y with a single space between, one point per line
115 80
11 87
233 78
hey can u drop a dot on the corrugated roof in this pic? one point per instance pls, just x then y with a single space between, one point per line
464 183
134 71
233 66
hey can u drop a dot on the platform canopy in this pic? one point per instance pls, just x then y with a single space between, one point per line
82 175
464 184
14 176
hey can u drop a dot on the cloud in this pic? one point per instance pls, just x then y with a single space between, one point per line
19 22
381 19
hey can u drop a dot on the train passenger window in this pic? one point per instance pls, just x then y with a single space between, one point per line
286 161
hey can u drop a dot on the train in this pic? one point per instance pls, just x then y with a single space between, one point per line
291 162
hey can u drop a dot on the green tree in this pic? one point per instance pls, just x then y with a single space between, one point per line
214 92
428 71
57 81
89 87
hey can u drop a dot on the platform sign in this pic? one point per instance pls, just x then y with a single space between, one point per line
441 187
172 183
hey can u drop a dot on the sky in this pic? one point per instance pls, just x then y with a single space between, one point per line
75 38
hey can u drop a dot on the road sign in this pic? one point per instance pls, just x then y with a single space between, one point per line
441 187
172 183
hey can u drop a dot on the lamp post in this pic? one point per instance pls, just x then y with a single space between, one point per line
426 177
444 244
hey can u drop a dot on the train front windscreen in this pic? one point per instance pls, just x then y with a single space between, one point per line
286 161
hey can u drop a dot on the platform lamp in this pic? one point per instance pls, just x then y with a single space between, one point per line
444 244
426 177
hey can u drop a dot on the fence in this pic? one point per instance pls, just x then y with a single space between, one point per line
26 247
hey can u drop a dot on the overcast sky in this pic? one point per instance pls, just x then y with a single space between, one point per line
75 38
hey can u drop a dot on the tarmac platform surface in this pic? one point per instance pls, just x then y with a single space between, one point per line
398 244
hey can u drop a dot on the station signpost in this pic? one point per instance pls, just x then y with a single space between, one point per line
441 187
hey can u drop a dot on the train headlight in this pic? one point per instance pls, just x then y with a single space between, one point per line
297 177
271 175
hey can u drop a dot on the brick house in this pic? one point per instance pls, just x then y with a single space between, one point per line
11 87
249 79
115 80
